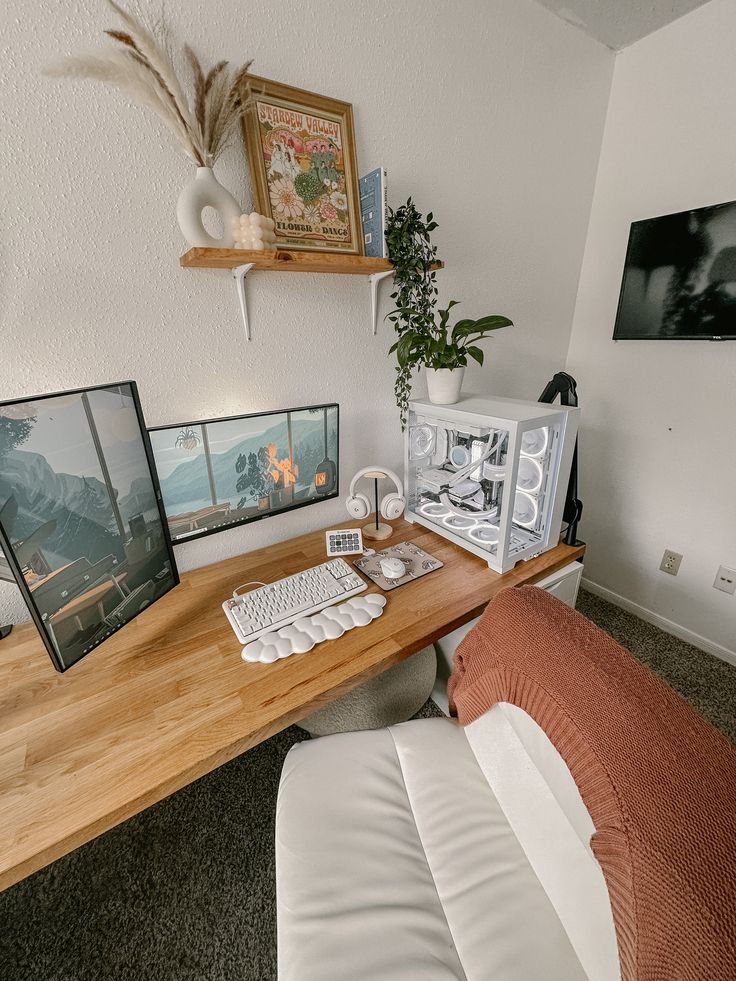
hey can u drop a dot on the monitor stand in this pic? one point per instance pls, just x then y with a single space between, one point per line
4 631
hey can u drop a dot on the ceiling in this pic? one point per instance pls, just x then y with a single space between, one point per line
619 23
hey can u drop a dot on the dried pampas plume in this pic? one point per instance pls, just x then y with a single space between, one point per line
218 102
142 67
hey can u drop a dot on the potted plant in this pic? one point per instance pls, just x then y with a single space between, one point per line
187 439
425 335
255 477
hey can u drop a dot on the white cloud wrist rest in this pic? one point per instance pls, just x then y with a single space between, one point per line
302 635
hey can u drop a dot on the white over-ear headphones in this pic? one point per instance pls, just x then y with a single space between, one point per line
391 506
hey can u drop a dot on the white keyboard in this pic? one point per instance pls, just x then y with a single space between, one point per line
268 608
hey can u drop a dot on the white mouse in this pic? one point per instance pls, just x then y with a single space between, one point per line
392 568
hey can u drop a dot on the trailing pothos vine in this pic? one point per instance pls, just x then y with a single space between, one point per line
425 336
413 256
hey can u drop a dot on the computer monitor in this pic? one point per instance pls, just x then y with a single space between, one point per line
679 279
216 474
82 526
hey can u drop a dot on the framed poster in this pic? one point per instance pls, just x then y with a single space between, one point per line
679 279
301 152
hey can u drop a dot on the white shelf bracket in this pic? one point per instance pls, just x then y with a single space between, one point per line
373 280
239 274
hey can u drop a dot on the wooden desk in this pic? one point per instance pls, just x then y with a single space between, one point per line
168 698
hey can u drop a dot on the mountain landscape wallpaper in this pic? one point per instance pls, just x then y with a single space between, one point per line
79 506
229 471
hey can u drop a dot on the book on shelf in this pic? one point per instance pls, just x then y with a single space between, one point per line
373 212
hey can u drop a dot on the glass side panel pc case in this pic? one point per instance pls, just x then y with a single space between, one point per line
82 526
490 474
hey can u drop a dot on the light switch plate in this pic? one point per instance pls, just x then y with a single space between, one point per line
726 580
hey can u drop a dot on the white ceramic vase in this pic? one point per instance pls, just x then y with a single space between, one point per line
444 384
205 191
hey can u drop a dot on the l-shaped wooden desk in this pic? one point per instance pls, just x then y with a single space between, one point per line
168 698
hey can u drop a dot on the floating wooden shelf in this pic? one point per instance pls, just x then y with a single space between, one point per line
285 261
243 261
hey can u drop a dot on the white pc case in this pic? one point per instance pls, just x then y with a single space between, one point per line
490 474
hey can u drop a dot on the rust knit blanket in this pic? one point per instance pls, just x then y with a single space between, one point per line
658 780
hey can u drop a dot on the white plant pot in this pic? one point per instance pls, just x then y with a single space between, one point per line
205 191
444 384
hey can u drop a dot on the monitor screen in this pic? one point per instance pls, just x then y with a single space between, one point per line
219 473
82 527
679 279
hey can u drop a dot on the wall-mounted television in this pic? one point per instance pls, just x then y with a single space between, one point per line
679 279
82 526
216 474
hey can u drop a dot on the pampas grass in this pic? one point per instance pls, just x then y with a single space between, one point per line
141 65
219 101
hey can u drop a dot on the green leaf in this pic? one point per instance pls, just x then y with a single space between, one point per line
485 324
475 353
403 350
494 322
459 327
479 328
464 330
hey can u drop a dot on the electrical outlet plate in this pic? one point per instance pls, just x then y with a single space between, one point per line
726 580
670 562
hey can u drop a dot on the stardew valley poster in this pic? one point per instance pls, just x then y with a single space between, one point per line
303 165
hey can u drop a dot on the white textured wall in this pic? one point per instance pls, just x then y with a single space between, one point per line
489 112
658 451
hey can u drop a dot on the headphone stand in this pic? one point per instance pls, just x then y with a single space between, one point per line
377 531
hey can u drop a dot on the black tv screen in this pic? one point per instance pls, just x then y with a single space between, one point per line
82 526
216 474
679 279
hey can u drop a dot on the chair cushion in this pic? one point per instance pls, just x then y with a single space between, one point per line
394 861
542 803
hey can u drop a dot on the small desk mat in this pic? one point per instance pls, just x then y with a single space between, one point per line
418 563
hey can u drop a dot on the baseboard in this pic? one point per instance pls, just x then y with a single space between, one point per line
669 626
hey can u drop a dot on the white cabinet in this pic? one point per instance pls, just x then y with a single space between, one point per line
564 583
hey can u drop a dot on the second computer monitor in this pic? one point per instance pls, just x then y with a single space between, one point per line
219 473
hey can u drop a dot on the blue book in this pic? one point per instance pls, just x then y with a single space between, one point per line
373 212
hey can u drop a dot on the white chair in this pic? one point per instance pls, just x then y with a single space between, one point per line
427 851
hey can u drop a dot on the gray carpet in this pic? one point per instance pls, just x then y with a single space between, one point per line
185 890
708 683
